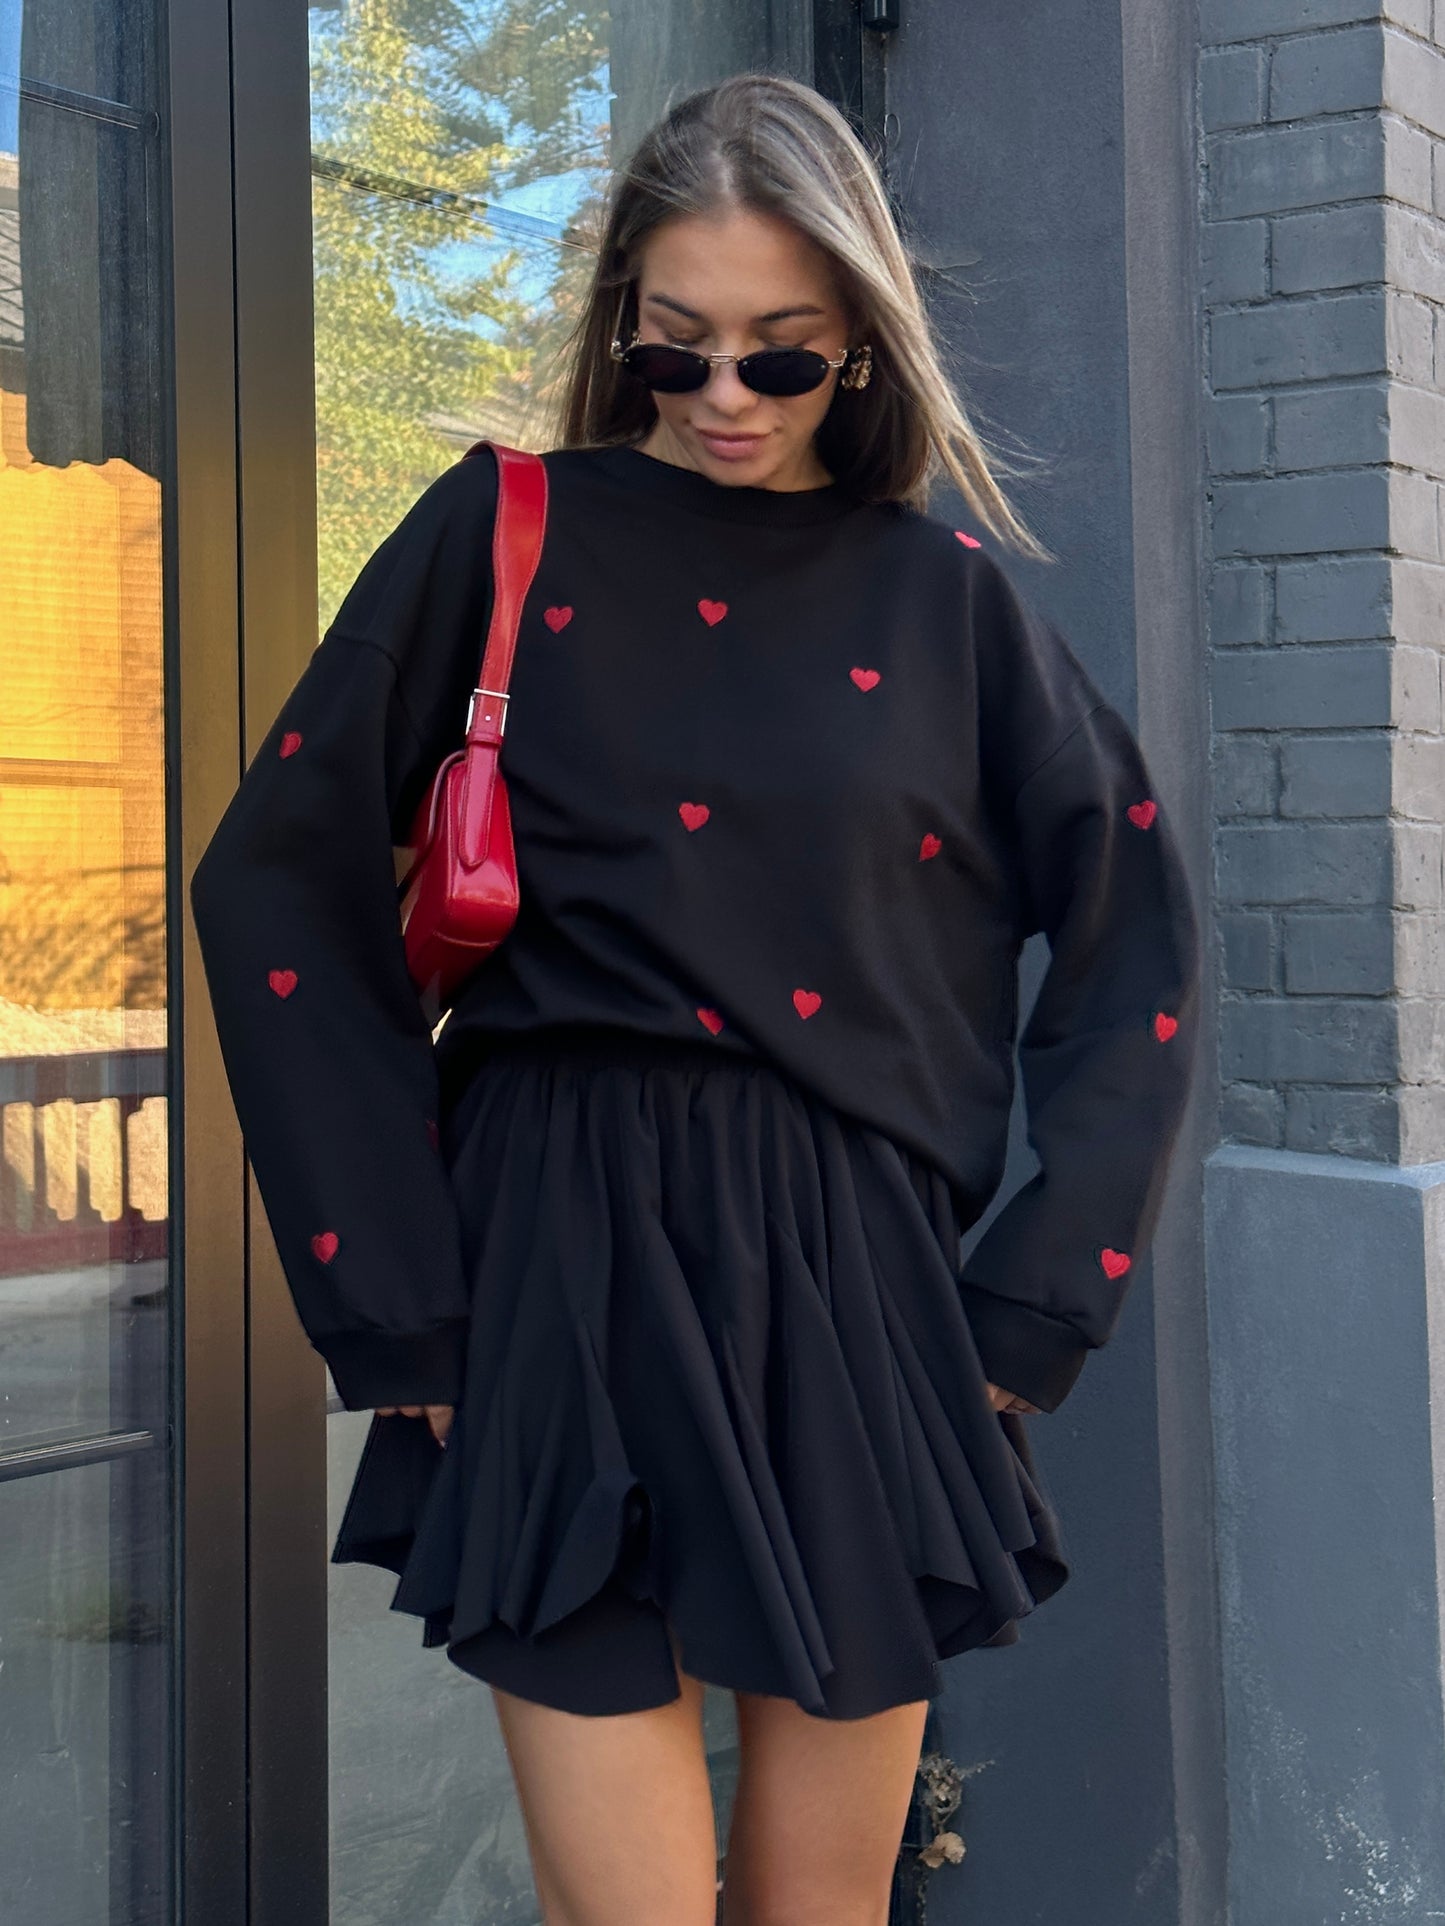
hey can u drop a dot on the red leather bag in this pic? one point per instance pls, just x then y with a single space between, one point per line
459 895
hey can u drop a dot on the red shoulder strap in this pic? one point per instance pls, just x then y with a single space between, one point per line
520 524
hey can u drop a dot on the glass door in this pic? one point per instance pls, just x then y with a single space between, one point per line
459 154
86 1520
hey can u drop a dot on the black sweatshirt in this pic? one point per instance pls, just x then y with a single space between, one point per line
788 771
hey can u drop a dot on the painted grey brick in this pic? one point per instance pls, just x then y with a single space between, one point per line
1330 247
1414 514
1346 686
1419 779
1338 952
1304 514
1341 1123
1342 1040
1415 250
1408 154
1437 194
1414 81
1414 14
1420 1108
1335 775
1302 340
1232 87
1418 597
1333 600
1419 949
1409 337
1247 937
1332 427
1327 863
1251 1113
1224 20
1422 1038
1267 171
1236 261
1245 776
1415 699
1239 604
1417 428
1327 73
1419 860
1237 433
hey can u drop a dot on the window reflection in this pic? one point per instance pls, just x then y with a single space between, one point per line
460 152
82 833
454 171
85 1494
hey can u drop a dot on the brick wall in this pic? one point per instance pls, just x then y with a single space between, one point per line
1323 184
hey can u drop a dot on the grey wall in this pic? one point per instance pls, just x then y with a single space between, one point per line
1323 196
1048 153
1203 247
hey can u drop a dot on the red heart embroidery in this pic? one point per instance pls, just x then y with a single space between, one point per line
806 1002
930 846
694 814
556 619
969 541
290 743
712 612
1115 1263
325 1245
283 982
433 1134
1142 814
710 1020
865 678
1165 1026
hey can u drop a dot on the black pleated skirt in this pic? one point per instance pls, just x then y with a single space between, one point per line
720 1392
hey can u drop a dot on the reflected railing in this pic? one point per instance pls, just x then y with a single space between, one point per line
76 1186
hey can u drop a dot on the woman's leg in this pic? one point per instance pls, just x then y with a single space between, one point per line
618 1811
819 1813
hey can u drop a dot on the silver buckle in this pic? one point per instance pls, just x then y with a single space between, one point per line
501 696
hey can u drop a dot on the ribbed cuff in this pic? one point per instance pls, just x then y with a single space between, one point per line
1025 1351
371 1368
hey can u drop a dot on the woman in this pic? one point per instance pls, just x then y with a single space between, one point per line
648 1265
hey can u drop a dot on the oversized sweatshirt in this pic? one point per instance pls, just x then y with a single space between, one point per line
790 772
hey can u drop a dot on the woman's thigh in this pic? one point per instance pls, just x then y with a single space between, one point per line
819 1813
618 1811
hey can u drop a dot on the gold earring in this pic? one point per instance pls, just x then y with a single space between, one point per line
859 371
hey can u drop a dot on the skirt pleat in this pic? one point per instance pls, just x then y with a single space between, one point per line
722 1404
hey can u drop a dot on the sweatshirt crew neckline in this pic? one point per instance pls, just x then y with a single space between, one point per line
725 501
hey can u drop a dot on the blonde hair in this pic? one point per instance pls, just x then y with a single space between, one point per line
772 145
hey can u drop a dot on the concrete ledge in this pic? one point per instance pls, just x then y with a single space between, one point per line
1327 1364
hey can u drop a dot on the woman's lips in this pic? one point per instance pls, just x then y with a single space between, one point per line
730 447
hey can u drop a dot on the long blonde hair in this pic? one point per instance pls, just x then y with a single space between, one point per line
772 145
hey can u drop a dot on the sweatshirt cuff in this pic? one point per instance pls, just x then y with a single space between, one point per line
1024 1351
371 1368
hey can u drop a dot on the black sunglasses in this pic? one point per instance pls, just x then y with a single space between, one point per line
768 371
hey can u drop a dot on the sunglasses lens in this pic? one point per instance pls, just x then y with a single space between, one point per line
675 371
783 371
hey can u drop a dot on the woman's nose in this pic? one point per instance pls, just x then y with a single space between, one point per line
727 391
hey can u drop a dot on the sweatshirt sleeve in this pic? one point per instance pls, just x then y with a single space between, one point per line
326 1048
1106 1057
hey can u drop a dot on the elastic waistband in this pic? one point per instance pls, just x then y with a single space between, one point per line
597 1045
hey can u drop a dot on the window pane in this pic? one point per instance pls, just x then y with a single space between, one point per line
83 1741
460 154
85 1484
83 1115
99 47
